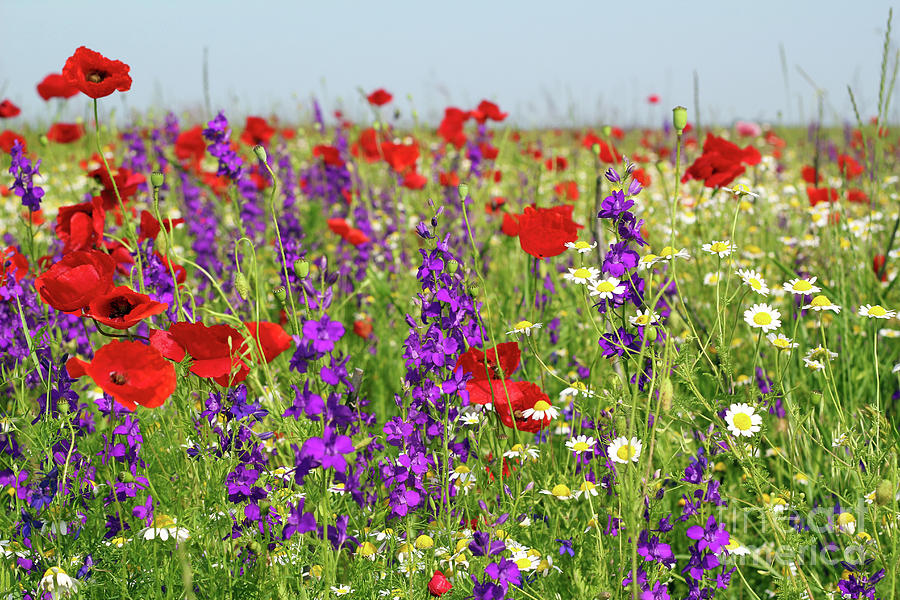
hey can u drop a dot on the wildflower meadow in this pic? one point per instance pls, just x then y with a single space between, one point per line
249 357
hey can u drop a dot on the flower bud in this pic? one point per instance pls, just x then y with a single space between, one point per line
473 287
679 119
280 294
666 394
241 285
884 493
126 477
260 152
595 148
44 140
157 179
301 268
607 131
463 190
162 243
452 266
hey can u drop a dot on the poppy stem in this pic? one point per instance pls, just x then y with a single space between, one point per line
128 335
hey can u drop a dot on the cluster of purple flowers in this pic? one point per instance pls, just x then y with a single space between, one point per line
24 172
218 135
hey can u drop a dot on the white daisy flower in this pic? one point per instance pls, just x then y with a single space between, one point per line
523 451
721 249
576 389
581 247
587 488
462 474
820 303
644 318
763 316
813 365
606 288
876 312
821 353
581 444
742 420
741 190
541 410
621 450
341 590
526 561
164 527
754 280
560 491
896 368
781 341
524 327
711 279
58 583
582 275
670 253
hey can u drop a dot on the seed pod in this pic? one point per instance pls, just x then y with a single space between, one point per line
666 394
241 285
280 294
157 179
301 268
463 190
884 493
452 266
679 119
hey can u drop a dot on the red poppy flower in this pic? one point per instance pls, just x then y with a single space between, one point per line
257 131
77 278
543 232
367 146
363 328
808 173
449 179
55 85
653 99
190 147
80 226
488 110
857 196
95 75
400 157
641 176
502 360
414 181
721 162
608 152
271 339
818 195
150 226
439 584
9 110
567 190
878 265
379 97
494 205
451 127
214 350
510 225
520 396
8 138
127 184
356 237
12 263
329 155
122 307
339 226
65 133
130 372
849 167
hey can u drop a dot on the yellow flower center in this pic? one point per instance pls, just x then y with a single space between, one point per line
523 563
366 549
162 521
522 325
719 247
581 273
668 252
755 283
424 542
802 286
580 447
605 287
743 421
877 311
625 452
820 300
649 258
762 318
642 319
845 518
462 470
782 343
518 448
54 571
580 245
541 406
561 490
587 486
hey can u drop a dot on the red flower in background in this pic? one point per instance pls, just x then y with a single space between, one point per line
257 131
363 328
414 181
8 138
127 184
653 99
439 584
95 75
271 339
122 307
567 190
330 155
849 167
543 232
55 85
400 157
520 396
379 97
150 226
502 361
488 110
76 279
12 263
451 127
65 133
339 226
9 110
721 162
130 372
608 152
81 226
214 350
367 146
494 205
190 146
857 196
808 173
818 195
448 179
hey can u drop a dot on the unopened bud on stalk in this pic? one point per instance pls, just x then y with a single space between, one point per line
607 131
241 285
301 268
463 190
162 244
473 287
44 140
679 119
595 148
280 294
260 152
884 493
452 266
666 394
157 179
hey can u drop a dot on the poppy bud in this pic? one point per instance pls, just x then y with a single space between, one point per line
884 493
280 294
473 286
607 131
650 333
439 584
260 152
157 179
595 148
463 190
126 477
301 268
679 119
666 394
162 245
44 140
264 506
241 285
452 266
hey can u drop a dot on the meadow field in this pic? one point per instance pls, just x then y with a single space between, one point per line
249 357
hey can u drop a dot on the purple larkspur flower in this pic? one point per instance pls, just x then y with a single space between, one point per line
712 537
322 334
24 172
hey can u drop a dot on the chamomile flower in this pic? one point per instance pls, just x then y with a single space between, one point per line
462 474
781 341
525 327
581 444
742 420
58 583
763 316
670 253
587 488
573 391
341 590
581 247
560 491
621 450
813 365
735 547
711 279
740 190
523 451
644 318
896 368
754 280
876 312
846 523
582 275
840 440
648 260
820 303
164 527
526 561
541 410
606 288
821 353
720 249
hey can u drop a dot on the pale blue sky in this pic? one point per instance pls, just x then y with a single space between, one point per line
544 62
